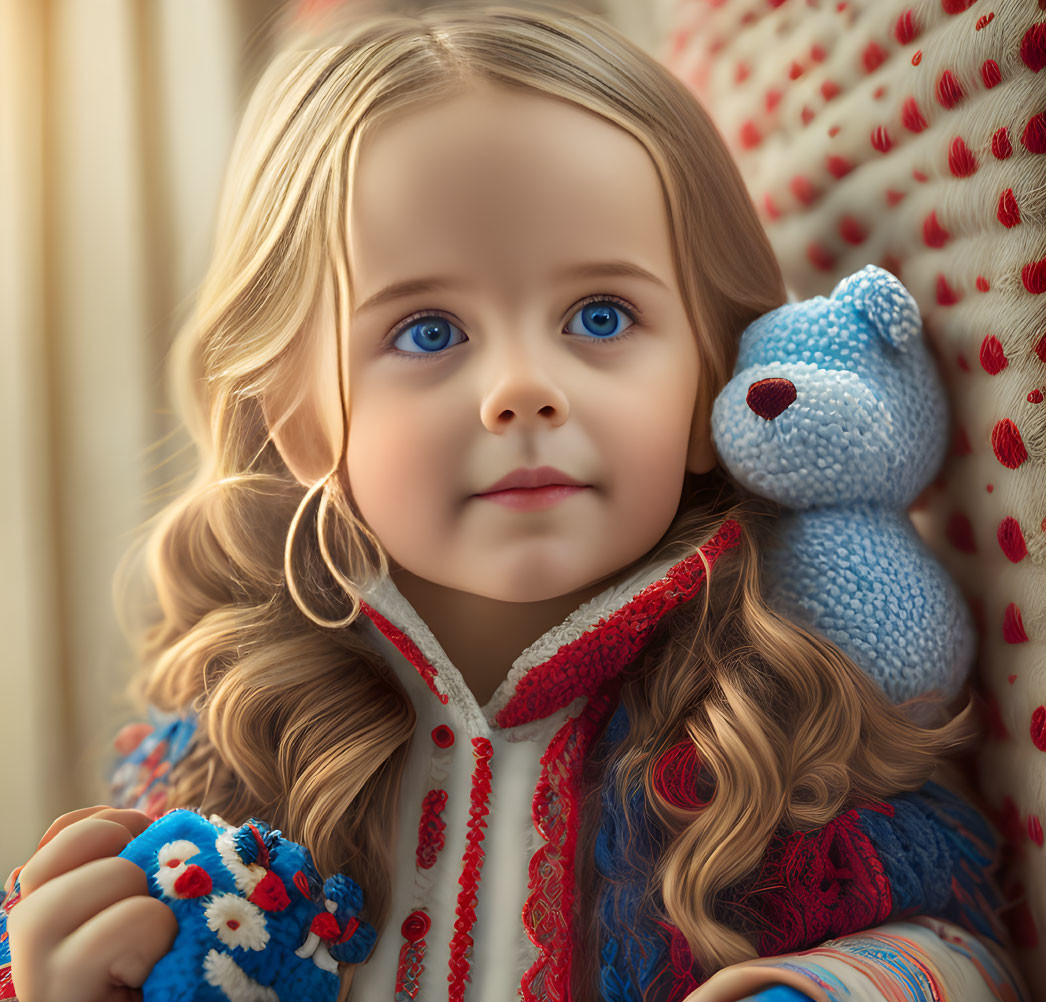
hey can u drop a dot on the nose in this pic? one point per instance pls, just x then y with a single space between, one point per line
768 397
523 391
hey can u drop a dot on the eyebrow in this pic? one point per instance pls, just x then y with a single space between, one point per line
592 269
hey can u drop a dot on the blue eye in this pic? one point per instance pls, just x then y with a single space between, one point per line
601 318
431 334
428 334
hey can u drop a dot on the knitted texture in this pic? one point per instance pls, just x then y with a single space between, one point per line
912 134
836 411
254 920
926 851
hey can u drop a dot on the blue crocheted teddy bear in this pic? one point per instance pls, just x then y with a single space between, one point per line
254 921
836 411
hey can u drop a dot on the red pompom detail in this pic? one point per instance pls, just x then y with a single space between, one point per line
818 53
906 28
1035 397
1007 444
993 358
881 139
1013 626
852 231
1011 539
795 71
1033 47
325 925
270 895
911 117
442 736
1033 275
946 295
934 234
990 73
833 131
960 533
956 6
829 89
949 90
415 925
1033 139
961 161
1007 212
1001 148
982 284
1040 348
195 882
1038 728
873 57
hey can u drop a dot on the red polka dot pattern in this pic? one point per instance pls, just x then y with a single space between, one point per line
982 284
1038 728
911 117
1011 539
1007 211
442 736
934 234
1007 444
1040 348
947 295
881 139
1035 829
1033 139
990 73
1035 397
873 57
1013 625
1033 47
961 161
906 28
1033 276
949 90
993 358
1001 148
956 6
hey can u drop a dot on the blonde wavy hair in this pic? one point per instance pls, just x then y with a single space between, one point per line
241 595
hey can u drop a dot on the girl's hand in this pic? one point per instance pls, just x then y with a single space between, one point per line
85 926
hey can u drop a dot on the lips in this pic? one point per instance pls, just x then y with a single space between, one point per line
543 476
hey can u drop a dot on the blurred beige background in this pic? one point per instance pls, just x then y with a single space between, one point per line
116 118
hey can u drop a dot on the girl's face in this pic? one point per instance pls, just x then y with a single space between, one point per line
515 306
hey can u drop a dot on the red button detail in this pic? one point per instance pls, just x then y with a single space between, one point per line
443 736
415 925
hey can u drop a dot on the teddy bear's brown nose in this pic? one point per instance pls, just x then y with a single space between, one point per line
769 397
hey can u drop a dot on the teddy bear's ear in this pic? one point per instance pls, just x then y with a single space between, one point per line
889 306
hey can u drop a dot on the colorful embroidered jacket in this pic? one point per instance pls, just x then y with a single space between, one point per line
488 823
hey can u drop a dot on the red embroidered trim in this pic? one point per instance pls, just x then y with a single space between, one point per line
407 648
472 863
556 812
580 667
408 974
431 828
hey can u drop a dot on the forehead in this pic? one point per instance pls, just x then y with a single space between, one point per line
505 177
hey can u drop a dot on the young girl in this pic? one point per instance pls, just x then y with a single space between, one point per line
460 597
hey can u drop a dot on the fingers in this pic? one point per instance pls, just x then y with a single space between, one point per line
120 945
102 834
